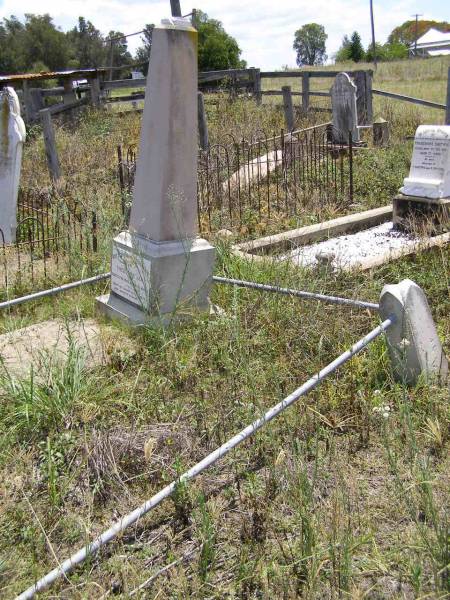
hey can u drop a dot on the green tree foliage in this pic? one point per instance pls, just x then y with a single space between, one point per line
117 49
217 49
12 58
88 47
43 42
386 52
343 54
309 43
356 49
406 32
143 52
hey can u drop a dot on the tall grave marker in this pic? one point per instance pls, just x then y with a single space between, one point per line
12 137
345 116
425 194
160 265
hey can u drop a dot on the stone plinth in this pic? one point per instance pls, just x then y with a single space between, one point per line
430 216
160 268
12 137
158 280
414 346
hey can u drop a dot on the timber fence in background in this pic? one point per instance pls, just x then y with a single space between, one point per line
270 178
51 236
237 82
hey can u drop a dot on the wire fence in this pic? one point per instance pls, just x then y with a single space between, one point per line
51 237
263 179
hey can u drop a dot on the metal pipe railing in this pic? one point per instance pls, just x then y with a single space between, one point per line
52 291
298 293
108 535
237 282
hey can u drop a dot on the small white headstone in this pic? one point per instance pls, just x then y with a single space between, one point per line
345 116
12 137
429 176
414 345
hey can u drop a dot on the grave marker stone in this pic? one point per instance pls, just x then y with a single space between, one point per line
424 199
12 137
413 342
160 265
429 176
343 102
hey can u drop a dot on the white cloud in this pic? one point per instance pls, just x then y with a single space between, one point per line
263 29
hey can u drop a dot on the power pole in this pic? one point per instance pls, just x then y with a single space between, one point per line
111 59
417 33
176 8
372 24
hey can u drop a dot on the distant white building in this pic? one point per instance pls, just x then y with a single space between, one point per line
137 75
432 43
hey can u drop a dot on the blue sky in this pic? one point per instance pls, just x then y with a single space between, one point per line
264 29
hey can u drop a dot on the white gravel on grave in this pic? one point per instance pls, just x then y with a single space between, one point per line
349 251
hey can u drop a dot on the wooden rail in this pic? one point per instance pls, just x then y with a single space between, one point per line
276 74
410 99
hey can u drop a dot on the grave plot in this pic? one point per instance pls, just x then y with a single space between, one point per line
342 493
420 219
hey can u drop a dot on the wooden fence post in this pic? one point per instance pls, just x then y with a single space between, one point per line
202 122
447 110
363 82
288 108
257 85
27 102
305 92
69 95
95 91
369 96
50 144
37 102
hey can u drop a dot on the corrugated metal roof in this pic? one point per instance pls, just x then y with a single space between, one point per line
49 75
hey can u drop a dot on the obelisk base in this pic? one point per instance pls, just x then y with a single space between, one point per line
158 282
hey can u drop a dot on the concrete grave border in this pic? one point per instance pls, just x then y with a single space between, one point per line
262 249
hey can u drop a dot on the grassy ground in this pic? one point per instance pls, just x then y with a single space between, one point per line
344 496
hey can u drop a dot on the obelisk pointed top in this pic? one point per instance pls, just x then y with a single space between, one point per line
165 194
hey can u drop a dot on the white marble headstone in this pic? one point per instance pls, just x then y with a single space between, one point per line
345 116
12 137
429 175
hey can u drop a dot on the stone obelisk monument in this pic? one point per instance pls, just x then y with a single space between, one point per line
12 138
160 268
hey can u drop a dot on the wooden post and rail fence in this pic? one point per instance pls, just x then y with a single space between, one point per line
96 92
248 81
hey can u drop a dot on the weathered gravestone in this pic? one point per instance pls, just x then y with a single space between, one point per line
345 116
160 265
12 137
425 195
414 345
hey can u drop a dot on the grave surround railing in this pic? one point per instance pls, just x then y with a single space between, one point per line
268 177
50 235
